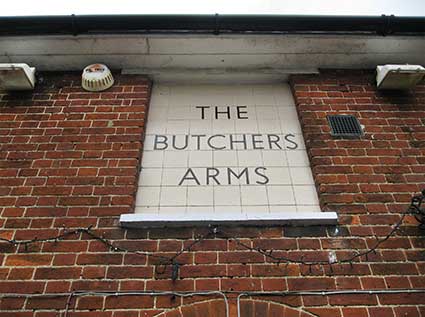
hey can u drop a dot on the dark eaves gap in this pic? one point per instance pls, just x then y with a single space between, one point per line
211 24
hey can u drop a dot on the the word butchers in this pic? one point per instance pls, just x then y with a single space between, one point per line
225 142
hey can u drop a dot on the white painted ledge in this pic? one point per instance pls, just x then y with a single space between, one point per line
151 220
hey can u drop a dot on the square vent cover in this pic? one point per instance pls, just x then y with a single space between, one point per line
345 126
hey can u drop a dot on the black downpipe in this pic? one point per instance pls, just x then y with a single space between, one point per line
210 24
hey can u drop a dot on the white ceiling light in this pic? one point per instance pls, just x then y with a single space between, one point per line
398 76
97 77
17 77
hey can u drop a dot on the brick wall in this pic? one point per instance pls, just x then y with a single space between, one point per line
69 159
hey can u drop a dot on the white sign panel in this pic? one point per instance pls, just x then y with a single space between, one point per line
215 150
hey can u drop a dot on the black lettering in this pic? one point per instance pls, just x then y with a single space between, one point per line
230 172
189 175
240 112
186 138
227 112
266 179
274 139
202 110
215 147
232 141
158 141
254 142
295 145
198 140
212 175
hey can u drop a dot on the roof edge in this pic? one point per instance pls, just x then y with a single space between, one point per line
210 24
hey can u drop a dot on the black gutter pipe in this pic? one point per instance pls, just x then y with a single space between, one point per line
210 24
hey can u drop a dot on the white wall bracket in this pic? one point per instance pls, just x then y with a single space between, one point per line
399 76
17 77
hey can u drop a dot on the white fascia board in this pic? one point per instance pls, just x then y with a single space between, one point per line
193 52
151 220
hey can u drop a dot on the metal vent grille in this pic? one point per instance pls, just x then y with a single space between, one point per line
345 126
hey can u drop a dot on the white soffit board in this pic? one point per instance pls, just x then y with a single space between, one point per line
228 154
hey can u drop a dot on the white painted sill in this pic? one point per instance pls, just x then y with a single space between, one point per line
150 220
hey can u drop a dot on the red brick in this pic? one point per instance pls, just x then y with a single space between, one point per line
353 300
274 284
22 287
240 284
192 271
207 245
11 303
394 269
297 284
170 245
206 284
58 286
205 257
240 270
402 298
102 259
348 283
373 282
117 302
94 272
90 303
354 312
407 311
166 285
79 201
21 274
50 273
47 303
140 245
240 257
126 272
275 270
65 246
380 312
94 285
324 311
28 259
